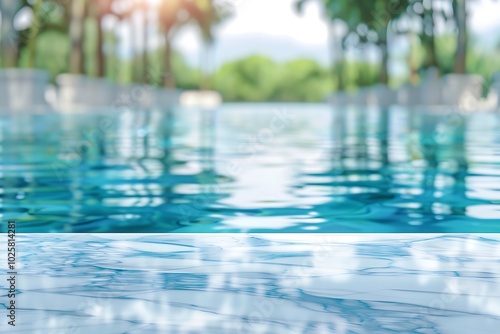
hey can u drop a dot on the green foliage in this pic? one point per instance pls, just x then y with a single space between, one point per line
258 78
484 64
366 73
52 52
249 79
186 77
446 45
302 80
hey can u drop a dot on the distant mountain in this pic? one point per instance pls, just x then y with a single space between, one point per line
276 47
284 48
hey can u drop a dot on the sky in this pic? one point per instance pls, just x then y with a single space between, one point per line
274 28
271 27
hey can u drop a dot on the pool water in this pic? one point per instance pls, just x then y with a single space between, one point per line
252 168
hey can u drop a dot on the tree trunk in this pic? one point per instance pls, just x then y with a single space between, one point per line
412 60
33 33
133 43
429 26
384 71
145 49
337 50
384 49
8 35
460 13
432 57
77 33
205 83
331 48
122 75
168 76
340 70
101 59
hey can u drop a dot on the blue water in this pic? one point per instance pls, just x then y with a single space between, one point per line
252 168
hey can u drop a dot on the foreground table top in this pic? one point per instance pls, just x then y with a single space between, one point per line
260 283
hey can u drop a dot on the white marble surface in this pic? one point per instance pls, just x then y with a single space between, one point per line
261 283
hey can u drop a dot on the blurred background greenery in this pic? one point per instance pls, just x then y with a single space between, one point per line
68 36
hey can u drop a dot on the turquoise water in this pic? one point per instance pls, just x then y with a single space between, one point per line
252 168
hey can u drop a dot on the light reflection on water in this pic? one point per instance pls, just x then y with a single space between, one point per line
251 167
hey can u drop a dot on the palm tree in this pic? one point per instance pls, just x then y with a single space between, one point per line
169 15
77 35
427 12
205 16
412 60
34 30
332 10
376 17
140 65
364 18
430 33
122 13
384 12
460 16
145 42
101 8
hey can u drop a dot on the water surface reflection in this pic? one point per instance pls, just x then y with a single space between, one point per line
250 167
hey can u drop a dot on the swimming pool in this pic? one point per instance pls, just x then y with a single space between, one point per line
252 168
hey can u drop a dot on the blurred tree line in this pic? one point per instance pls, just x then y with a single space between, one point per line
69 36
381 23
73 33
